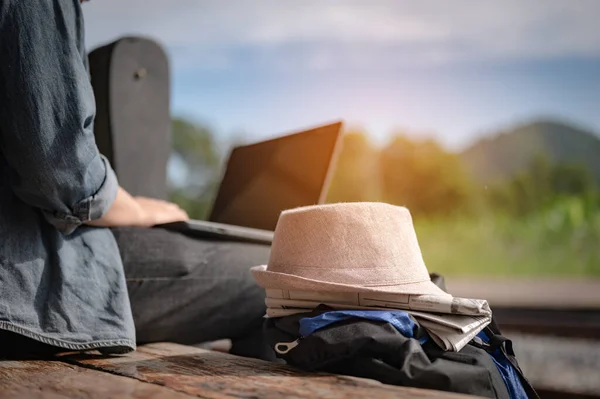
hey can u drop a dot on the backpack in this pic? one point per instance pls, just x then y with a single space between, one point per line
376 349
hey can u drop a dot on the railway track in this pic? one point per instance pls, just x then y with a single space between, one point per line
572 323
554 394
550 340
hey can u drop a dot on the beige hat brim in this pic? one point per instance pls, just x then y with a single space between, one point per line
280 281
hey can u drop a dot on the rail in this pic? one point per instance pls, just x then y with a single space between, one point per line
572 323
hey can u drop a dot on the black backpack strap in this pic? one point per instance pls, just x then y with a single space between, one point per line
495 339
438 280
500 342
493 327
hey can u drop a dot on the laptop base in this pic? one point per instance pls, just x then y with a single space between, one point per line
218 231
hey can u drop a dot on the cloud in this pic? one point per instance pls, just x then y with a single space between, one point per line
319 34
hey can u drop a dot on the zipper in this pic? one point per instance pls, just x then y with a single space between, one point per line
284 347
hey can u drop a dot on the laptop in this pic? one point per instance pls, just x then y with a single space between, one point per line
263 179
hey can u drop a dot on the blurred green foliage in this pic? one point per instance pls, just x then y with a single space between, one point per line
424 177
543 219
356 175
540 184
195 147
558 240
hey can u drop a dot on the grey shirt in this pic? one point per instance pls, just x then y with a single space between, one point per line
61 283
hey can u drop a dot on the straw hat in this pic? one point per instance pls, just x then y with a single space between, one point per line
346 247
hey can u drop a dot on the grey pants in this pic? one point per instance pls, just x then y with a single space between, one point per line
183 290
190 291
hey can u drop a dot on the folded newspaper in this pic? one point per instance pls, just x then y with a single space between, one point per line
451 322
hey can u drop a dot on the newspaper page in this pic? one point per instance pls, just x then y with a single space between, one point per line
450 331
460 323
427 303
463 324
448 339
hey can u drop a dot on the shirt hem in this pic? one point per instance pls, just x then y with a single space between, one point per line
121 343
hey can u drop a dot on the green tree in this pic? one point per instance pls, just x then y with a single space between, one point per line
356 176
424 177
572 179
195 147
541 185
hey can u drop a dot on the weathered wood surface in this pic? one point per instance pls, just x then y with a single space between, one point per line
215 375
58 380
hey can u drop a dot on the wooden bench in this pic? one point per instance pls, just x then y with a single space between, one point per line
181 372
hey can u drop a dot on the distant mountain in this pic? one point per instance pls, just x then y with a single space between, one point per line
504 154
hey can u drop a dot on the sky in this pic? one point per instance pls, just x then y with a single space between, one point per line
451 70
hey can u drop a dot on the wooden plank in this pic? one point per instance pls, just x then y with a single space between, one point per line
58 380
216 375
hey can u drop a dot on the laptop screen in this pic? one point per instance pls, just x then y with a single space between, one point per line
265 178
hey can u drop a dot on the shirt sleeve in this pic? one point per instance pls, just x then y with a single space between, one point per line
47 112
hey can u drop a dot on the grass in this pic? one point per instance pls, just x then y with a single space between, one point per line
562 240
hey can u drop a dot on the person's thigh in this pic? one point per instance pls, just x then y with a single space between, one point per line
188 290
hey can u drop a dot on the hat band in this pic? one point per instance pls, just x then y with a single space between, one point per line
364 276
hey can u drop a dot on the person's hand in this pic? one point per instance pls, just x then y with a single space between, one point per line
139 212
153 212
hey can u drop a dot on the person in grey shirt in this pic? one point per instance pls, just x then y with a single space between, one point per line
80 268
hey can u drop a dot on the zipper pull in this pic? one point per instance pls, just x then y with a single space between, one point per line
284 347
